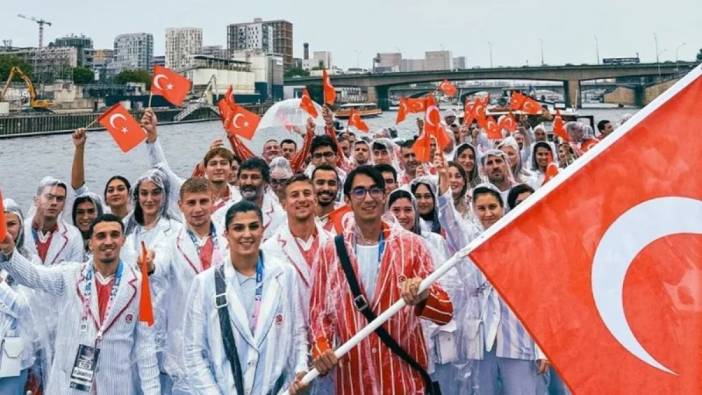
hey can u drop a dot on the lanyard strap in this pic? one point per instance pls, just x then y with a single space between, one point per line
87 292
259 293
212 235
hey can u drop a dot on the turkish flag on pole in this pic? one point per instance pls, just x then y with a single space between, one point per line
329 92
356 121
146 309
559 127
243 122
448 88
307 104
171 85
123 127
603 264
410 105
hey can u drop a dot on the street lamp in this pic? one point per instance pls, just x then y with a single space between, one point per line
658 62
597 50
490 46
541 41
676 55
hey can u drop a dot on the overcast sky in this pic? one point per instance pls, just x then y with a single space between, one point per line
354 30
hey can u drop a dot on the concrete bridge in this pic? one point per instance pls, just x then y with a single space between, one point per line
377 85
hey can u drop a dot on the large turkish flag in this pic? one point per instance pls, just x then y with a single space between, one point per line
603 265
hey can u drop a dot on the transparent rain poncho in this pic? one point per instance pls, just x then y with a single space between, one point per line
371 368
280 119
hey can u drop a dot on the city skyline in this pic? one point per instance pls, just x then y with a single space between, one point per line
523 29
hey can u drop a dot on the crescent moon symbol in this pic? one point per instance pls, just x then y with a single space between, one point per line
156 78
114 117
621 243
428 119
234 120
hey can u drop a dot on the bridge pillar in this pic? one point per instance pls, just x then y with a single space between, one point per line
379 94
571 93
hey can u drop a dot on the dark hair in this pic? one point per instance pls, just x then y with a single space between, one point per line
242 206
479 190
539 144
385 168
322 141
124 181
83 199
516 191
365 170
288 141
105 218
433 216
406 143
379 146
324 167
474 176
601 125
218 151
195 185
463 175
256 163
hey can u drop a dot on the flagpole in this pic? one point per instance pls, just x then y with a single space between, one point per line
91 123
387 314
151 94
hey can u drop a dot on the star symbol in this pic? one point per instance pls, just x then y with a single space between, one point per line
124 130
169 87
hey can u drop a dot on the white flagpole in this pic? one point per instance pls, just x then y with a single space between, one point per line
382 318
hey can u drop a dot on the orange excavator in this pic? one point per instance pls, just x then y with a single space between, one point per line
34 102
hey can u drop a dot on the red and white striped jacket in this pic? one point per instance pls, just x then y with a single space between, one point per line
371 367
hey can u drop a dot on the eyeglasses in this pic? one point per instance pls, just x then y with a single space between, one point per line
325 155
279 181
360 192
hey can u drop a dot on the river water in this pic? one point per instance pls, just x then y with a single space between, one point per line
25 160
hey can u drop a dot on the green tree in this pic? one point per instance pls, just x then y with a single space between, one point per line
134 76
296 71
9 61
699 55
83 75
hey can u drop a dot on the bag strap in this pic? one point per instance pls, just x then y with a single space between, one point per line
362 306
226 329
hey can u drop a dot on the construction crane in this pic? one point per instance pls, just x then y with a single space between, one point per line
41 23
36 104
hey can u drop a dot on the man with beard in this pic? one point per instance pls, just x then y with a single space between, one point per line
325 181
408 160
361 152
254 178
288 148
498 172
324 152
389 174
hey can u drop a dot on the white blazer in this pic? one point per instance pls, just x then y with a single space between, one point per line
282 245
66 243
277 349
177 263
127 346
16 321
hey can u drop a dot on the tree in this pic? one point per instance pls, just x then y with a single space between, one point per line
296 71
83 75
134 76
699 55
9 61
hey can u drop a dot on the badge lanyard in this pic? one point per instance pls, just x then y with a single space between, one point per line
87 300
259 293
212 235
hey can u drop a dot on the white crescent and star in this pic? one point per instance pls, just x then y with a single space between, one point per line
234 124
428 117
157 77
625 238
115 117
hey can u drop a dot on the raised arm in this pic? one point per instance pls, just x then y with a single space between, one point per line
157 158
47 279
298 161
78 167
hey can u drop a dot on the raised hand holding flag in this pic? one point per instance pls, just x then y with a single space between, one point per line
307 104
123 128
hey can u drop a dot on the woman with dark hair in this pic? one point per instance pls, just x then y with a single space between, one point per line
116 196
566 155
458 181
468 159
86 208
424 191
541 155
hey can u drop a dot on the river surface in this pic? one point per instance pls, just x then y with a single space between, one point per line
25 160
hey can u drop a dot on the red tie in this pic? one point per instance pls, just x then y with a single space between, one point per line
206 254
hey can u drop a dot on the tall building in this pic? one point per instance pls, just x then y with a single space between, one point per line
413 65
459 63
134 51
272 37
181 44
81 43
387 62
48 63
99 60
158 60
320 59
268 71
438 60
215 51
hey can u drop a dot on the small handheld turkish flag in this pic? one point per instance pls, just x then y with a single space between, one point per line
171 85
559 127
329 91
146 309
237 119
336 217
448 88
123 127
356 121
603 264
307 104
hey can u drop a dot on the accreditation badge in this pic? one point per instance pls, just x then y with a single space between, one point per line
83 372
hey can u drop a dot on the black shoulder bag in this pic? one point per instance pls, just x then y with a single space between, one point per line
226 329
361 304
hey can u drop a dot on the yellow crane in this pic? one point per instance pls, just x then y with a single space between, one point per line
36 104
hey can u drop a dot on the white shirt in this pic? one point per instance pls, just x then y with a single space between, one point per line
368 265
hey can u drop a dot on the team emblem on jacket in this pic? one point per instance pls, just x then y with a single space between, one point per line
129 318
279 319
401 278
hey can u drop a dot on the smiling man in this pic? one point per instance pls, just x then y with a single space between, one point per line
244 323
390 263
100 345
